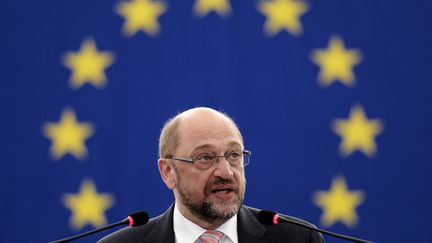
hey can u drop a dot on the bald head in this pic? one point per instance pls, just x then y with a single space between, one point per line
192 120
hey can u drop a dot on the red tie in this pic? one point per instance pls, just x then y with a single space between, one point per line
210 236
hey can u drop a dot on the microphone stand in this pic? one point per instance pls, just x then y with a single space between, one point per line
345 237
126 221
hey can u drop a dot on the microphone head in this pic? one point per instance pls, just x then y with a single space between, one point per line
138 218
267 217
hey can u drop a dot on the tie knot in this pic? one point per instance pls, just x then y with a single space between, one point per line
210 236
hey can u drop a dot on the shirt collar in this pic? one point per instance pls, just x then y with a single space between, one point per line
187 231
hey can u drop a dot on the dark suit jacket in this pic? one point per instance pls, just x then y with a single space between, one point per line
249 229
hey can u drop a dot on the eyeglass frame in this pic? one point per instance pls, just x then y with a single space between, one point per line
245 153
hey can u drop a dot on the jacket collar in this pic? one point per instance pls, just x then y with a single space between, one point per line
249 229
163 231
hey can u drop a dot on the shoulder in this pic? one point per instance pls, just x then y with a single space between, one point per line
131 234
288 232
158 230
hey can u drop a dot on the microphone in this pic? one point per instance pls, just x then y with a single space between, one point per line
272 218
133 220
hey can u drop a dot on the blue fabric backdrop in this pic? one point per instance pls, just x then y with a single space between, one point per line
333 99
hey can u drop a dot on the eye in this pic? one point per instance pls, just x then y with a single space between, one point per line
234 155
205 157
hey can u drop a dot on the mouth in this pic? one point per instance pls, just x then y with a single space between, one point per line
222 191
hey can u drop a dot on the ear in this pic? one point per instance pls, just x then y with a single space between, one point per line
167 173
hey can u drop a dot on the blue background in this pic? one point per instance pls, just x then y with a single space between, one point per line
267 84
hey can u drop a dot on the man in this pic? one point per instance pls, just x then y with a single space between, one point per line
202 160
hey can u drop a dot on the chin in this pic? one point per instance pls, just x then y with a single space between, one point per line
226 209
226 212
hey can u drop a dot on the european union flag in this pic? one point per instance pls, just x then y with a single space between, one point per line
333 98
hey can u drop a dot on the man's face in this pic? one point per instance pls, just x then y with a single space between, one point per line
215 194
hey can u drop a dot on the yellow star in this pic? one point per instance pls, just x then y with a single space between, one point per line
336 63
357 132
87 206
203 7
339 204
283 15
141 15
68 136
88 65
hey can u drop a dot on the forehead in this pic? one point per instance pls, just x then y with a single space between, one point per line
207 128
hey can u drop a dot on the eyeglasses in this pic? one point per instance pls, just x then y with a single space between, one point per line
205 161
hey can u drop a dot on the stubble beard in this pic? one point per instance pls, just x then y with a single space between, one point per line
212 212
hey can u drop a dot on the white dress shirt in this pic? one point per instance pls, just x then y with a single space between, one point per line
187 232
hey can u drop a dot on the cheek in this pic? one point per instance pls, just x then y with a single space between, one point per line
239 176
195 182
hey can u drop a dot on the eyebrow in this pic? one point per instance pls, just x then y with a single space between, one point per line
204 146
207 146
233 143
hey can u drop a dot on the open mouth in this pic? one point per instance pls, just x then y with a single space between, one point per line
222 191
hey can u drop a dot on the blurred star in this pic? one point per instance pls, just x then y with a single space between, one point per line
68 136
203 7
283 15
339 203
88 65
141 15
87 206
357 132
336 63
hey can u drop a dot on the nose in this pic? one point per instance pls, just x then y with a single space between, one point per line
223 169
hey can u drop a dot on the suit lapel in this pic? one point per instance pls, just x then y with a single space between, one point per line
249 228
163 231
